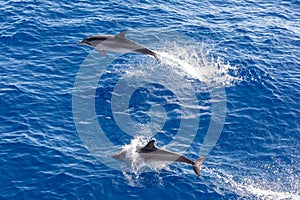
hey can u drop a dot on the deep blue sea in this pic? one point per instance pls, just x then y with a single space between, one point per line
227 86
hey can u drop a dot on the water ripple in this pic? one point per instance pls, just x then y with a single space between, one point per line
256 156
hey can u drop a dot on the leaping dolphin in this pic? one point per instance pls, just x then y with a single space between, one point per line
150 153
117 43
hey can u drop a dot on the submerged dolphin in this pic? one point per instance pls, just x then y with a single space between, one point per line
117 43
150 153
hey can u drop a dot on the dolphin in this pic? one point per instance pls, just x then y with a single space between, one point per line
150 153
116 43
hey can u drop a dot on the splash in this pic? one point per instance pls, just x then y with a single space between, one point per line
134 172
195 61
137 164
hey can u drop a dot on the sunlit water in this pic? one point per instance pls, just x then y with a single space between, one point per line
249 50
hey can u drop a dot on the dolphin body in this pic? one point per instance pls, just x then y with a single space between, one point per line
116 43
150 153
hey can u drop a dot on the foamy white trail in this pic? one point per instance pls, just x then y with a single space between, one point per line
197 63
254 187
174 61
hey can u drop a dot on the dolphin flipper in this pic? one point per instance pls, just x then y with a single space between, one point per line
103 53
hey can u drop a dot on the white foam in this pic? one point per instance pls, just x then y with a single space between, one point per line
256 187
137 164
196 62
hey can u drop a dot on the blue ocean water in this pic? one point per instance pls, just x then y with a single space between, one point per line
251 49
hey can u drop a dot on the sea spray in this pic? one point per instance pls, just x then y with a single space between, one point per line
197 62
137 164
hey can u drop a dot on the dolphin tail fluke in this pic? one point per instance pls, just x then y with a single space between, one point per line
197 165
148 52
156 56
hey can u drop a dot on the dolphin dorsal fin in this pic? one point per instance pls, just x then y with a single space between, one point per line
121 34
150 146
